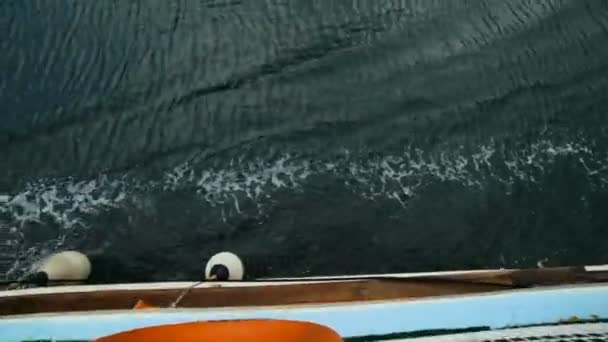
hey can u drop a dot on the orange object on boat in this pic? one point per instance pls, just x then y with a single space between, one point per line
228 331
141 305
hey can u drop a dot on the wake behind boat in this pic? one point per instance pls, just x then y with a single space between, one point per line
368 307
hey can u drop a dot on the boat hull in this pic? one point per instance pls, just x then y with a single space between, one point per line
375 320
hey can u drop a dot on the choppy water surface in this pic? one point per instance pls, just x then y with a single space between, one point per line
311 137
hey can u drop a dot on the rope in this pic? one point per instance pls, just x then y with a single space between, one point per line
184 293
187 290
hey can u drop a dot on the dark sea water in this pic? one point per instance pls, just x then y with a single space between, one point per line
309 136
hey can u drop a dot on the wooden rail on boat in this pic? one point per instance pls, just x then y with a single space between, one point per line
85 298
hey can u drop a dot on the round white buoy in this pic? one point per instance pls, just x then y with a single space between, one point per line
224 266
67 265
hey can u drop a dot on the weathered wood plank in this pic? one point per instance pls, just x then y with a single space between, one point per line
353 290
332 292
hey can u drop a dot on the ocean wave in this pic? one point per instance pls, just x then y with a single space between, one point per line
247 186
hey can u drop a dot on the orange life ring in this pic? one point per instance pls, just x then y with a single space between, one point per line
230 330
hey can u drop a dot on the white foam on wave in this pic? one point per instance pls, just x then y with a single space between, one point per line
251 178
60 200
51 202
396 177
